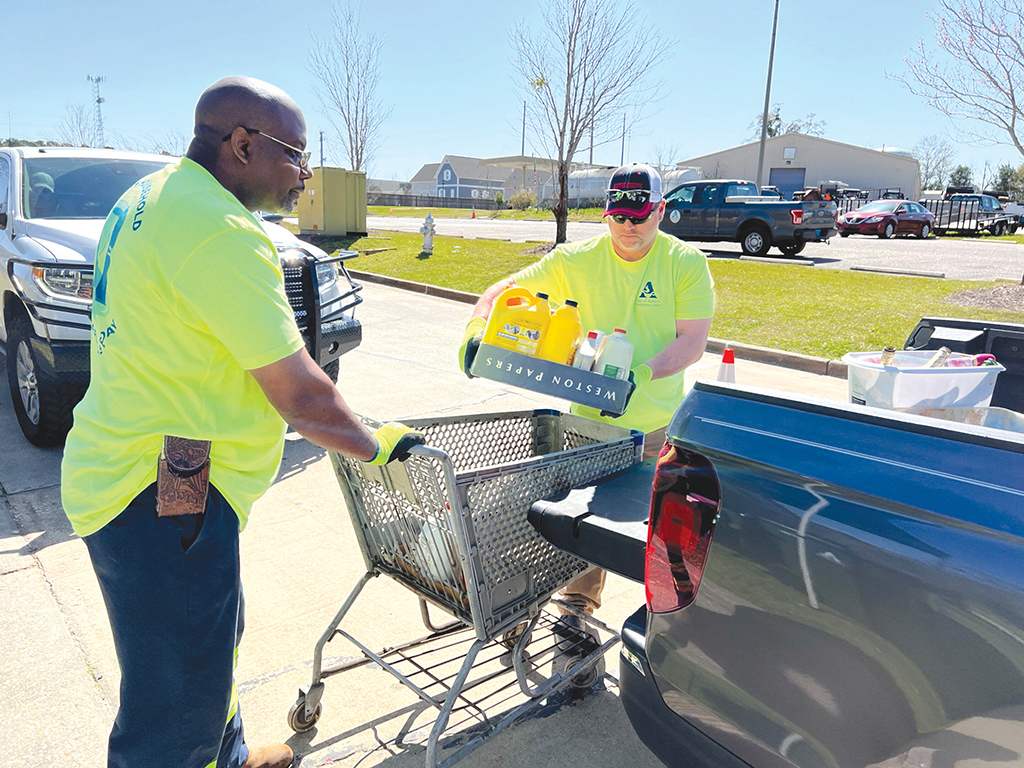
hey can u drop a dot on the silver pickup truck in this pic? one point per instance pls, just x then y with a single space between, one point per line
733 210
53 202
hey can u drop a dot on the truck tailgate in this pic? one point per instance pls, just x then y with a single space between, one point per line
604 523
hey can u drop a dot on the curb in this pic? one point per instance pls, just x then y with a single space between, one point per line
780 260
906 272
807 363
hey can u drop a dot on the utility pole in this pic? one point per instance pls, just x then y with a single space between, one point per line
767 95
321 149
99 113
622 156
591 130
523 150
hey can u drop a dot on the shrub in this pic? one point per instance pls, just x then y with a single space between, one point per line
499 198
522 201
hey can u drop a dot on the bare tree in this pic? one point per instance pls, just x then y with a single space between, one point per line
77 128
934 155
976 69
776 126
665 157
171 143
346 63
586 68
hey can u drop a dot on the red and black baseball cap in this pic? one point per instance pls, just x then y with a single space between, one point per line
633 191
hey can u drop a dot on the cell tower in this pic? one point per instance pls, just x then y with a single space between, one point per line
99 112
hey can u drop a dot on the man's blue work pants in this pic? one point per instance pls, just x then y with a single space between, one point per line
173 594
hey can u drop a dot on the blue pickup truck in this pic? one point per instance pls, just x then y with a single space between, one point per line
827 585
733 210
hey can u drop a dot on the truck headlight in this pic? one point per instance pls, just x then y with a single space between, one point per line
64 283
326 275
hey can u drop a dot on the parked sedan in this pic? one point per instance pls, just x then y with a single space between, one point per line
886 218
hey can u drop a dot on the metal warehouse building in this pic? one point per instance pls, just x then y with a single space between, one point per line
795 161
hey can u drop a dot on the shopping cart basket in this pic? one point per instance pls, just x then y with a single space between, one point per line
450 523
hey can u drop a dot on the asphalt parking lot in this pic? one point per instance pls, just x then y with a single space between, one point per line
956 259
299 561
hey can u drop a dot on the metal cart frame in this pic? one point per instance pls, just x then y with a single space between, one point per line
450 523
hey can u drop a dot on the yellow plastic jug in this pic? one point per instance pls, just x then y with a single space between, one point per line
564 334
518 321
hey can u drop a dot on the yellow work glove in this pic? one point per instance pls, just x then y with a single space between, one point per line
394 441
471 343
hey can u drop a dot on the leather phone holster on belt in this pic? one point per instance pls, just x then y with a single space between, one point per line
182 476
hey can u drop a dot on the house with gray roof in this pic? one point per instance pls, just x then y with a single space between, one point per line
425 180
472 178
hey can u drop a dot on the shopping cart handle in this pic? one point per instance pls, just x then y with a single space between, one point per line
428 452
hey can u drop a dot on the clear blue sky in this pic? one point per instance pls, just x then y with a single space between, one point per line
448 75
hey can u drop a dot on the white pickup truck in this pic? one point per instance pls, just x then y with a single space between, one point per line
53 202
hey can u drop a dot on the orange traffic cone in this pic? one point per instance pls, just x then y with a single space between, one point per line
474 213
727 370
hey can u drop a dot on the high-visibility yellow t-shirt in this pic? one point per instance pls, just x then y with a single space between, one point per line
188 297
644 298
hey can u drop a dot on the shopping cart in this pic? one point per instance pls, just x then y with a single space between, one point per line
450 523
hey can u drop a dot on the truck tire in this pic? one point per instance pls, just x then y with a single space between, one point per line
43 401
1000 229
332 369
792 249
756 241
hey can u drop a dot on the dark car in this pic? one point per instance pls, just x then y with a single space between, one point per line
828 586
887 218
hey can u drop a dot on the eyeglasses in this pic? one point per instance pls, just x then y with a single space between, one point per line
634 220
635 195
301 158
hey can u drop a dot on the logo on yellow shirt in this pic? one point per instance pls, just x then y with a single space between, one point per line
647 294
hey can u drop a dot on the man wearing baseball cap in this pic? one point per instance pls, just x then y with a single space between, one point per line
635 277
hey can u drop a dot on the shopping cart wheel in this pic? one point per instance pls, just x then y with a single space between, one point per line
297 719
585 679
511 637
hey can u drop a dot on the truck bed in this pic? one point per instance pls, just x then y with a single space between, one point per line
862 600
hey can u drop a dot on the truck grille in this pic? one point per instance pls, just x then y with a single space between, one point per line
298 285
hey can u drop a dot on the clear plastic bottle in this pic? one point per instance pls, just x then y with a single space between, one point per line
615 356
562 338
938 360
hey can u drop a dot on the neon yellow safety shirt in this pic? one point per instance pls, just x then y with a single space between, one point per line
188 296
644 298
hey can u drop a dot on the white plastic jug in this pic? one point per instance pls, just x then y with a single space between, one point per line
615 357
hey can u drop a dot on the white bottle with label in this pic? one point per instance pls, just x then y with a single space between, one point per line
615 356
588 351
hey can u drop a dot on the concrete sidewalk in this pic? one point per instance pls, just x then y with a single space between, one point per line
299 562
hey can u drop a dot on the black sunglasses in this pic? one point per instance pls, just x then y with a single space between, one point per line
621 218
301 158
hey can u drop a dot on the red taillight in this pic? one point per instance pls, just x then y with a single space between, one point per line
798 215
684 510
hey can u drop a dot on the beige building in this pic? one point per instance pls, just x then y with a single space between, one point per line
794 161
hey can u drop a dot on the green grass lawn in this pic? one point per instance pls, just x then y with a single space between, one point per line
824 312
575 214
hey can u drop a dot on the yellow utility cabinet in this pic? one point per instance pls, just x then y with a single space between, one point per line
334 203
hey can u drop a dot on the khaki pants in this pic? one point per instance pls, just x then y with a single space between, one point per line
585 592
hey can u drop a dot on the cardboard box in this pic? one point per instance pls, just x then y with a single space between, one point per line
548 378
